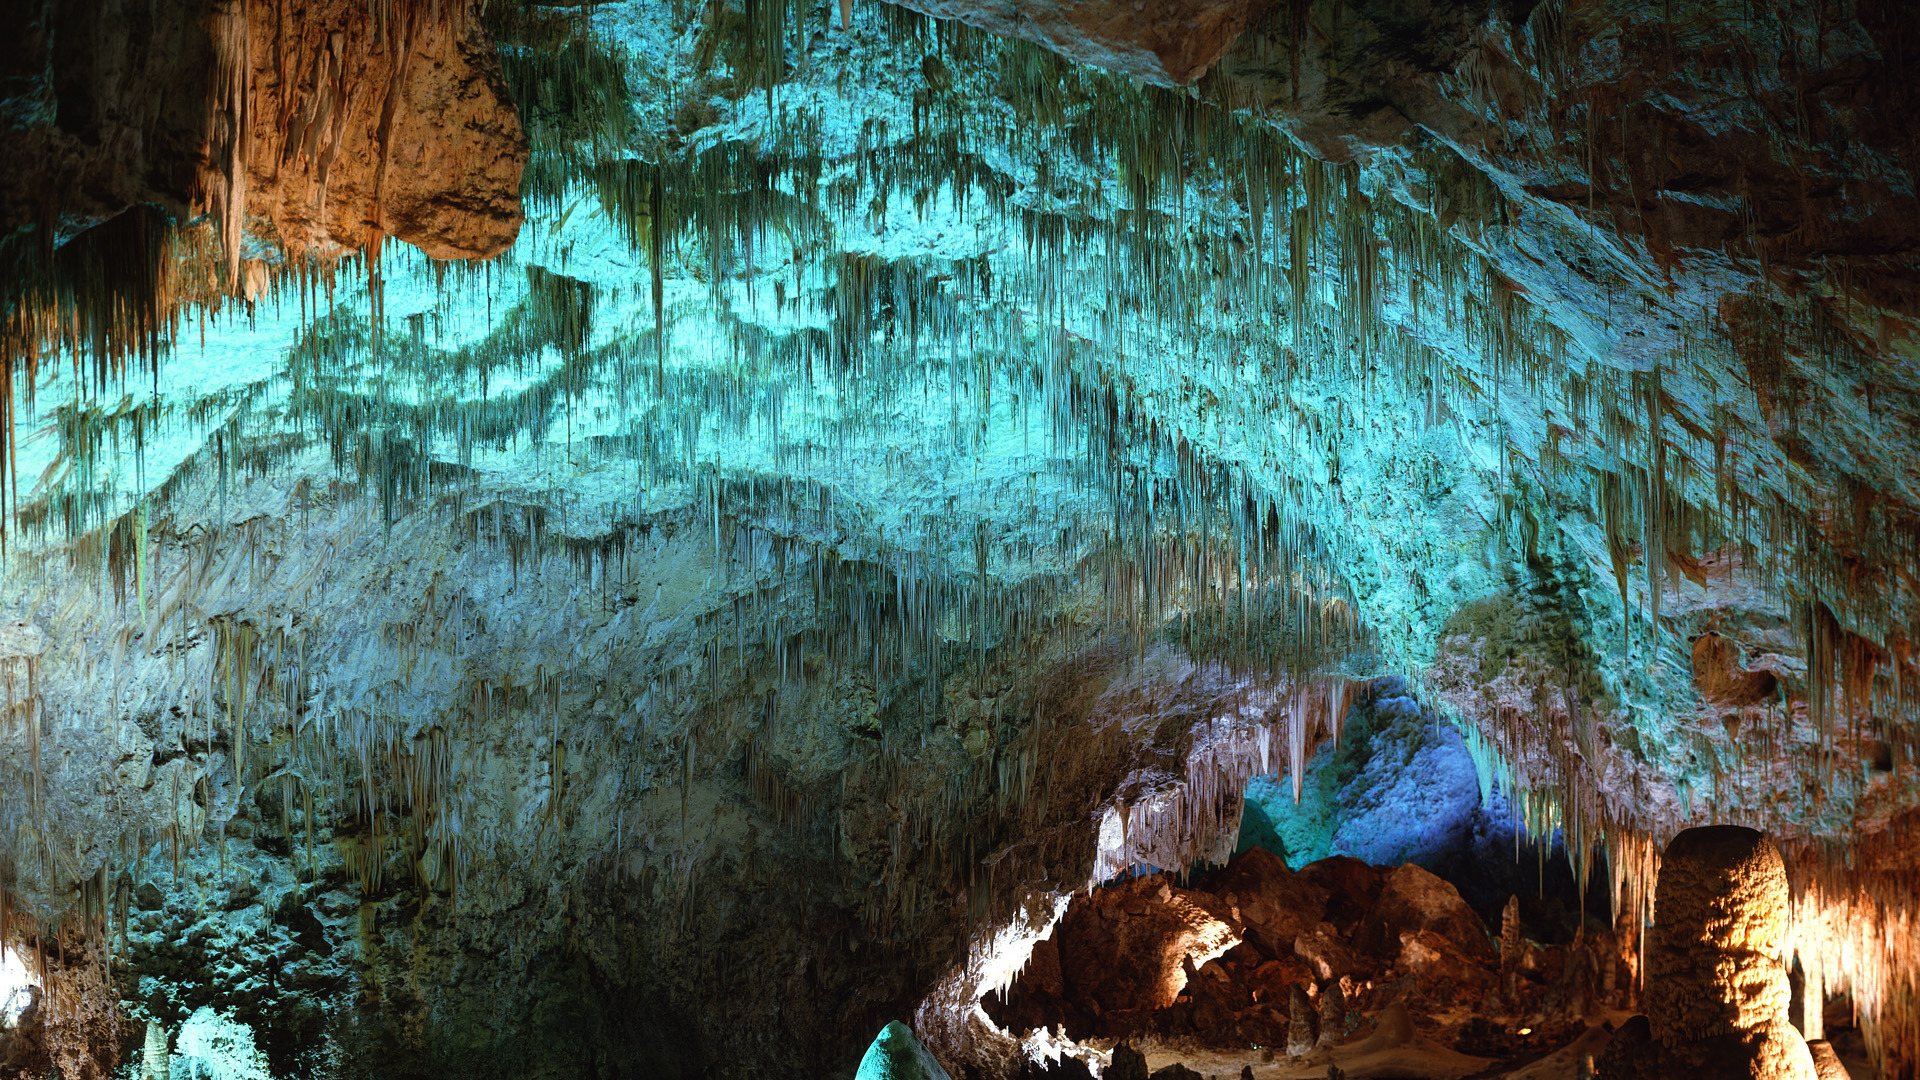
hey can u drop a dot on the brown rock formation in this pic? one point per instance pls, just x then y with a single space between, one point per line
1717 994
402 128
327 122
1128 951
1273 903
1303 1024
1720 678
1826 1063
1413 903
1333 1013
1127 1064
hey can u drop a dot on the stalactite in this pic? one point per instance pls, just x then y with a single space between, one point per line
1251 557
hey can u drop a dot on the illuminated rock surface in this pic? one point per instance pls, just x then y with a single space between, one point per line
1716 992
897 1055
894 477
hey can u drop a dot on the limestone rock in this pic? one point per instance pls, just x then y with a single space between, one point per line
1630 1054
153 1056
312 120
1352 887
1393 1027
1826 1063
1327 956
1333 1013
897 1055
1718 676
1133 947
429 149
1127 1064
1303 1028
1717 993
1275 904
1413 901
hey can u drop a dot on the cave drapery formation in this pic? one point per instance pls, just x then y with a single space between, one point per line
818 484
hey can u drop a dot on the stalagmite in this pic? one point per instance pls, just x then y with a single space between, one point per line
1826 1063
1303 1023
897 1055
1717 992
153 1055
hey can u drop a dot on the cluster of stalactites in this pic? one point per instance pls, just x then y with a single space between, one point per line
1854 931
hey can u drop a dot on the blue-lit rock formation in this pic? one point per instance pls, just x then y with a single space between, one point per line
897 475
1400 787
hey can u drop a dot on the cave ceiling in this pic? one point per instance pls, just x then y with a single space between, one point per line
706 446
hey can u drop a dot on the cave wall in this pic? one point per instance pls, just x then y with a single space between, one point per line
906 480
314 126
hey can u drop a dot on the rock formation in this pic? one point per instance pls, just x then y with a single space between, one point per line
1303 1023
1717 993
1333 1014
1826 1063
910 476
1169 43
316 125
897 1055
1126 1064
154 1064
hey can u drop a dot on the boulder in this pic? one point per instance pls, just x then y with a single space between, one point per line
1326 954
1272 902
1127 1064
1414 901
1443 971
1352 887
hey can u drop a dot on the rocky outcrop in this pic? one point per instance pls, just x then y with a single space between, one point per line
1274 904
362 127
1397 938
1717 993
1126 1064
1414 902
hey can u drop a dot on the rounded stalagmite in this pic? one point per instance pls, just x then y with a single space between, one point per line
1717 993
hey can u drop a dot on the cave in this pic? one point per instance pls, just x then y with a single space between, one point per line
959 539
